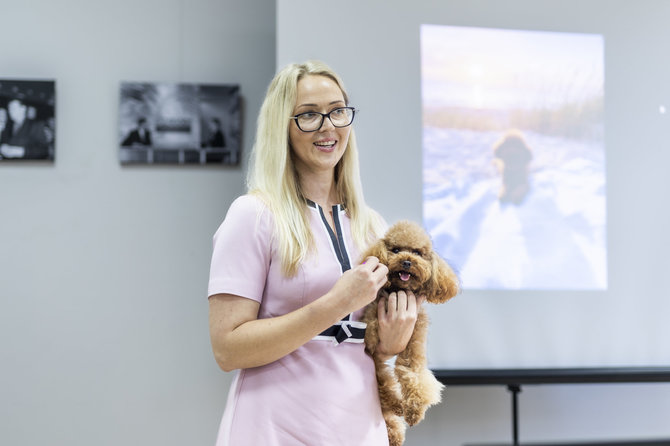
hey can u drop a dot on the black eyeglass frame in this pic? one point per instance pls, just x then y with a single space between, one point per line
323 118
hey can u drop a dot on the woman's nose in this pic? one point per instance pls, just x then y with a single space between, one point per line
327 124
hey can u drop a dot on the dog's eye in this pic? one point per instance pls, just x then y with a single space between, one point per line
395 250
417 252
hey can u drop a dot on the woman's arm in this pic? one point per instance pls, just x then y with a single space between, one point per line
241 340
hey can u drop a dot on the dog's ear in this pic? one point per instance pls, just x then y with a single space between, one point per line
377 249
443 283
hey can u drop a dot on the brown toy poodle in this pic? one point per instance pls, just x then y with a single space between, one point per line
413 266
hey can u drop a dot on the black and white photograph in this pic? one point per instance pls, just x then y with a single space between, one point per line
27 120
178 123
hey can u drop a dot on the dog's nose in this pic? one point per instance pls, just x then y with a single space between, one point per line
406 264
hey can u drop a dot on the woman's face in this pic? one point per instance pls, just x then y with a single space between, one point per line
320 150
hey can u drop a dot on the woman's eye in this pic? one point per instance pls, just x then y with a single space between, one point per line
338 112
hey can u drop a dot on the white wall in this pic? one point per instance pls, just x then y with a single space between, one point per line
103 268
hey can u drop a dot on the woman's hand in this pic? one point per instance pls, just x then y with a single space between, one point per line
359 286
397 314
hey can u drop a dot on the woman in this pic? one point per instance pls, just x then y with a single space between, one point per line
285 289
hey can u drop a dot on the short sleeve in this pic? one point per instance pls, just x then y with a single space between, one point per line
242 250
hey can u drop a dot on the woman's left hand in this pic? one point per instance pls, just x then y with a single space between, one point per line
397 314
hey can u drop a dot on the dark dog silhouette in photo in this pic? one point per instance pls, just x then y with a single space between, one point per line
513 155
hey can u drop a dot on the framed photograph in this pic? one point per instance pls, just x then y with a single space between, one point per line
177 123
27 121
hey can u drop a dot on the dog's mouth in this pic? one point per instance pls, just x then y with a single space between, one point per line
404 276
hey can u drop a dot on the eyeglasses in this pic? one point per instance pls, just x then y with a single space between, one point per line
312 121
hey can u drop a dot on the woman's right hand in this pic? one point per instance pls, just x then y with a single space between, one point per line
359 286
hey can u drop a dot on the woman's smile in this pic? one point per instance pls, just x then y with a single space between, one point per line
326 145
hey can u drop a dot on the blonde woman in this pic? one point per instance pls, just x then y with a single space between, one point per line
286 290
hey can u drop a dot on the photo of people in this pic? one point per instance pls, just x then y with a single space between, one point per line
514 189
139 136
27 122
176 123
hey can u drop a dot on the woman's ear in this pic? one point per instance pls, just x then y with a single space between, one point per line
444 283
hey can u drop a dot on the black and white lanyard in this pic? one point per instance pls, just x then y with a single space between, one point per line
346 330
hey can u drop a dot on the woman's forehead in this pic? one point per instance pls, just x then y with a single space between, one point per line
318 90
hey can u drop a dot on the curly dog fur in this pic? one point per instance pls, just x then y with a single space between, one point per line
407 251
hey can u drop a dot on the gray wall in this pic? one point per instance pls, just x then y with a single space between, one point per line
103 268
374 45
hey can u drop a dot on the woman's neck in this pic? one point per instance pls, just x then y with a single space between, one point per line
320 189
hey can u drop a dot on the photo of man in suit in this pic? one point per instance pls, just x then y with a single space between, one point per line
139 136
216 136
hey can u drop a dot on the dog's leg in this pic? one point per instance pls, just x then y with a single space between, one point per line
420 389
389 399
395 426
387 384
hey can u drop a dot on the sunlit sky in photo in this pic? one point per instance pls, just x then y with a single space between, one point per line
503 69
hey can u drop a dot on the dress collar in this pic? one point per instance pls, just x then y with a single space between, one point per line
310 203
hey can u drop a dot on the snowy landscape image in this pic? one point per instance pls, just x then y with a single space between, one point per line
514 186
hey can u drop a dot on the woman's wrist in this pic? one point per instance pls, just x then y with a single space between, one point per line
330 304
382 354
383 357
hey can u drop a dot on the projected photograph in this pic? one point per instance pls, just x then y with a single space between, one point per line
514 156
27 121
172 123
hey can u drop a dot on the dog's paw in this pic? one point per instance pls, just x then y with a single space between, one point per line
431 388
396 436
394 406
413 415
397 409
395 428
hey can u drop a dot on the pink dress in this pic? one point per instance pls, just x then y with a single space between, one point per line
325 392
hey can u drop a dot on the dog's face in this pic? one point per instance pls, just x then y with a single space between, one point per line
408 253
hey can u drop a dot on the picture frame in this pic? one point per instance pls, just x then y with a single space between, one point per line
179 123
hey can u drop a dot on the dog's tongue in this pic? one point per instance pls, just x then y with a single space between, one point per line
404 276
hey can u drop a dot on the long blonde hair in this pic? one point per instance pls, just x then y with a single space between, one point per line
272 175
